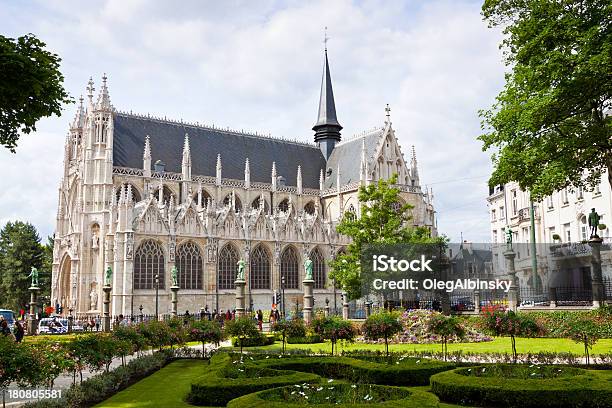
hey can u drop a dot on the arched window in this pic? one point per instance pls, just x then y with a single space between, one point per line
227 264
397 206
167 193
350 213
135 194
318 268
149 261
260 268
189 265
289 268
309 208
255 205
237 203
284 205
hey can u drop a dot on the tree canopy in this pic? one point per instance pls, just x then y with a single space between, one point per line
383 220
31 87
550 126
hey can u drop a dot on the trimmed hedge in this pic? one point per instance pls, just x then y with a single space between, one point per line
305 339
587 388
261 340
274 399
223 383
409 371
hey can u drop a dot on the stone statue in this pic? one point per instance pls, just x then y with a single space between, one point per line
241 266
594 223
95 241
34 275
93 299
108 277
509 239
174 276
308 268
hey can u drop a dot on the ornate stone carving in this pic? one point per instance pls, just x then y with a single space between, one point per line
129 245
172 247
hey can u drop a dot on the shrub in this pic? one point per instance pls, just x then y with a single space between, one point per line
313 339
524 386
333 328
414 324
384 325
340 395
585 332
206 331
508 323
156 333
258 340
20 363
242 328
445 327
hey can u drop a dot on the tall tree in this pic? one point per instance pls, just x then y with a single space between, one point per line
381 222
20 250
551 124
31 87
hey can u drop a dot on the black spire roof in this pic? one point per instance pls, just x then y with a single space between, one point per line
327 106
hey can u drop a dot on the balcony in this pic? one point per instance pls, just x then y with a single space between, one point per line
524 214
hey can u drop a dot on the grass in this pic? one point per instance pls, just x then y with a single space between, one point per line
166 388
498 345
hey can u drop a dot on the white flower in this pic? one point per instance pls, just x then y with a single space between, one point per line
330 380
292 392
353 386
319 389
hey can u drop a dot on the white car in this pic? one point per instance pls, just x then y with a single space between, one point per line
52 325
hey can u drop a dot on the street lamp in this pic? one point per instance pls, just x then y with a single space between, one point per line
70 319
283 294
141 317
335 300
157 296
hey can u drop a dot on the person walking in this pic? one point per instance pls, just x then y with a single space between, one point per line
272 317
98 323
18 331
4 329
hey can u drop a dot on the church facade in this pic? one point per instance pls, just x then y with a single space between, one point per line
142 195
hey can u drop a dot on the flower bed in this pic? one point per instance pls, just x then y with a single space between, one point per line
341 395
524 386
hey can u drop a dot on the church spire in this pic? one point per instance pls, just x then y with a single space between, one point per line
104 97
414 170
247 174
327 129
146 158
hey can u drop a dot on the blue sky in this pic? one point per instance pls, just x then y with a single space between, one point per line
257 66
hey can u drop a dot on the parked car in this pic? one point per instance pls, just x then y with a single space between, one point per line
52 325
9 316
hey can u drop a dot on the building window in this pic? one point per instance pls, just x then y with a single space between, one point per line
564 197
549 202
309 208
596 190
318 269
502 213
189 266
149 261
551 234
514 203
495 236
567 232
584 228
493 218
290 268
260 268
284 205
227 264
237 204
579 193
255 205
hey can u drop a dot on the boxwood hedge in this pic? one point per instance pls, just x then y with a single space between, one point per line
395 398
305 339
225 382
577 389
261 340
409 371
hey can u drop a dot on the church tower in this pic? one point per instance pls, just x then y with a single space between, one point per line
327 129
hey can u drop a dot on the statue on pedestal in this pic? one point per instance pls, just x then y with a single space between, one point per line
308 268
174 276
594 223
509 239
93 299
108 276
241 266
34 275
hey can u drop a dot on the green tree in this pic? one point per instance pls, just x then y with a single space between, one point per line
549 125
242 328
333 328
383 324
446 327
31 87
584 331
380 223
206 331
20 250
509 323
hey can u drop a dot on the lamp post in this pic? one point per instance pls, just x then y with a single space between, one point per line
70 310
283 294
335 300
141 317
157 296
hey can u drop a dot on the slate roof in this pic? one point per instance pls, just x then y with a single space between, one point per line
167 139
348 155
327 106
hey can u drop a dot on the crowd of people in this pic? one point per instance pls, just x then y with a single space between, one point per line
18 330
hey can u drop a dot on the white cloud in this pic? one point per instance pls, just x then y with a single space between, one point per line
258 65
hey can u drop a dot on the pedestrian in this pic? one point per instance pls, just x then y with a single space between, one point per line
122 321
186 317
92 324
272 317
4 329
18 331
98 323
276 315
260 319
228 315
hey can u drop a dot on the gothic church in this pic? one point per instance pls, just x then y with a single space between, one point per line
142 194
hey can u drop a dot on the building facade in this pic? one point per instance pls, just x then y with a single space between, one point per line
142 195
563 257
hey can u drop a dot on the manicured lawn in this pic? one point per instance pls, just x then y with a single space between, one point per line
498 345
165 388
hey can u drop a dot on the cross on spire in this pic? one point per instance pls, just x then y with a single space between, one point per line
388 112
90 88
325 38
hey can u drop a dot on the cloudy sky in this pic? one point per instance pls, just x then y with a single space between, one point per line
257 66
